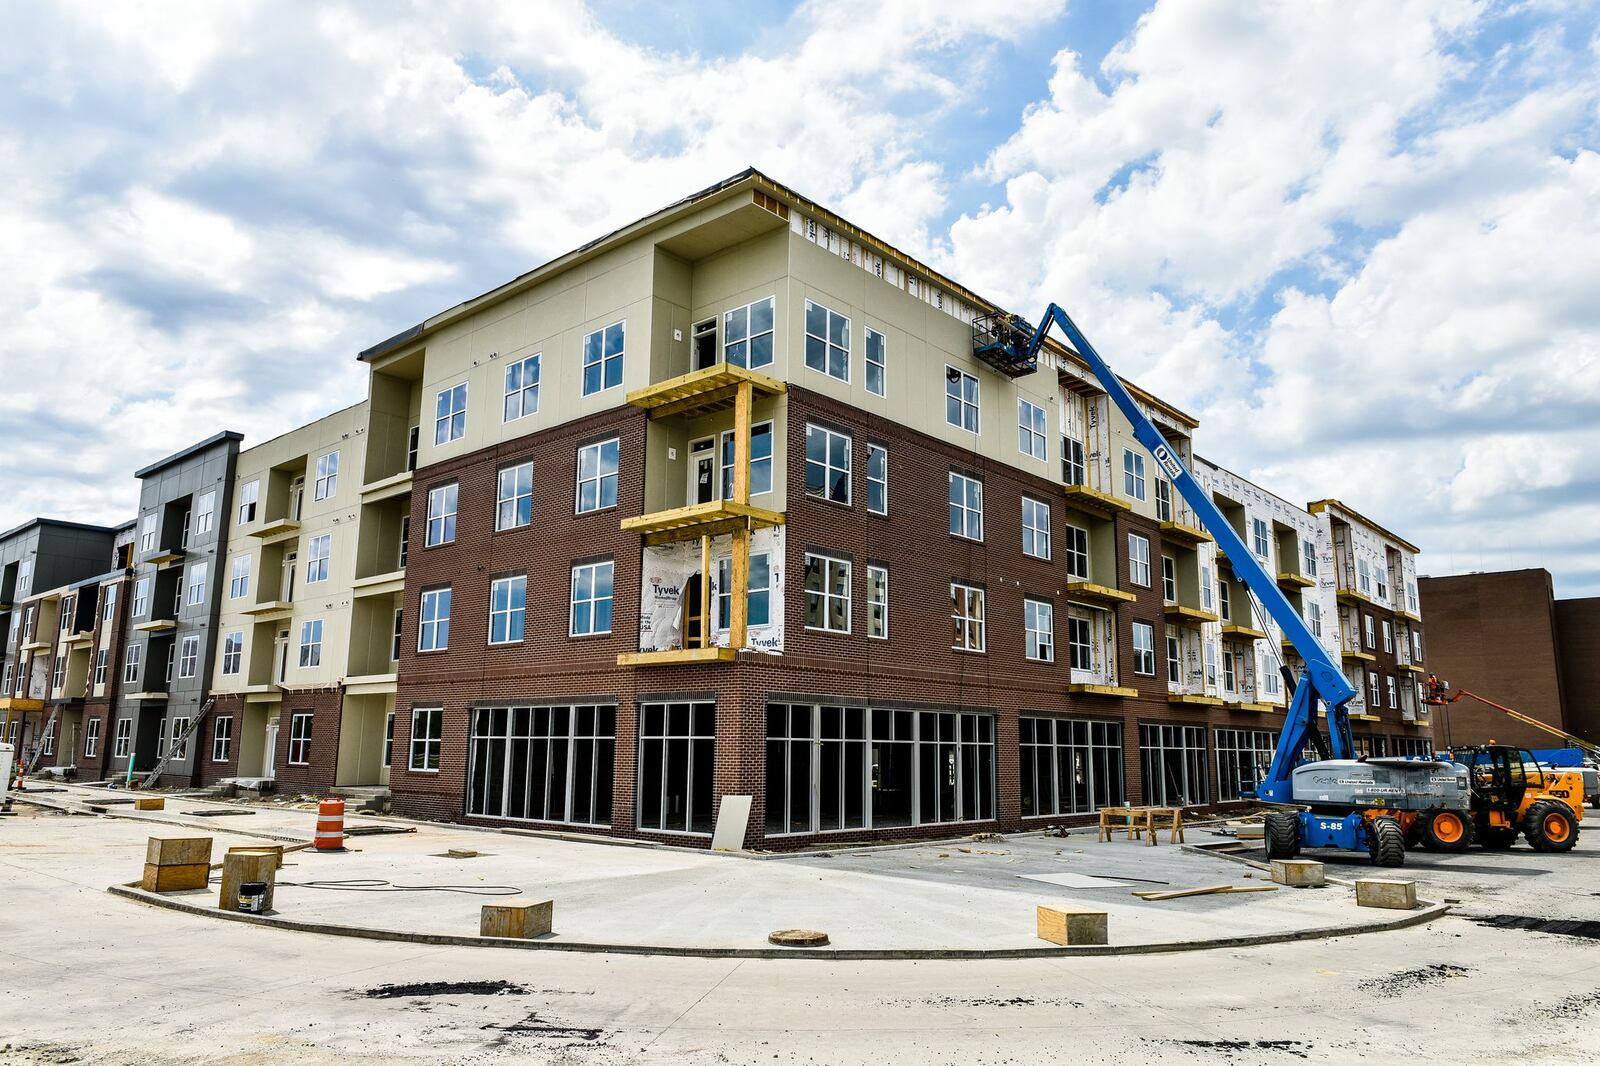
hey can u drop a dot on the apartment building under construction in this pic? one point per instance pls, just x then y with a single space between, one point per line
722 504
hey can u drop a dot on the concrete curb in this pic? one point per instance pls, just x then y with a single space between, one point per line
1417 917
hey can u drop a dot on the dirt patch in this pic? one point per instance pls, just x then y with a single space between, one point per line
1229 1048
1574 1007
1587 930
1406 981
985 1001
446 988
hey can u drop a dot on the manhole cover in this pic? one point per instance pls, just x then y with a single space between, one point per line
797 938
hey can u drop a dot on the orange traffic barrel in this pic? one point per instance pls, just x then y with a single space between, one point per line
330 825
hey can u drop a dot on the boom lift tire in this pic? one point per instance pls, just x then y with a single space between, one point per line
1549 826
1446 831
1282 835
1497 837
1386 842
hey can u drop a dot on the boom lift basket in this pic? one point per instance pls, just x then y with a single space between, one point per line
1002 340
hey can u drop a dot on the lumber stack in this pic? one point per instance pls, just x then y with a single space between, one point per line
176 863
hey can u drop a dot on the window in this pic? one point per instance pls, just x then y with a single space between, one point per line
1163 500
388 740
433 634
197 583
1069 767
172 656
508 597
413 441
1314 617
602 359
450 415
205 512
1373 687
848 768
1260 540
1366 631
232 652
91 738
1077 553
827 593
147 535
878 602
877 479
1039 624
760 460
1139 559
327 480
1030 429
109 603
442 514
1308 558
405 541
1173 758
1080 641
1383 585
1225 598
300 739
1144 649
1035 528
543 764
102 661
399 626
1072 468
961 399
222 738
827 342
677 746
597 475
967 617
514 497
966 506
178 745
747 335
58 675
310 643
318 554
591 598
249 496
1132 474
1206 595
68 610
130 664
828 464
1416 646
1169 579
758 592
1174 660
1364 576
427 726
1243 757
522 389
189 660
877 368
239 579
123 740
1411 596
1388 637
141 597
1394 696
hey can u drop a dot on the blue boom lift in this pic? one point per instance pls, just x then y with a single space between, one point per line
1370 805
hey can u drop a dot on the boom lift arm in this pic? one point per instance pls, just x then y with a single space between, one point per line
1017 343
1437 693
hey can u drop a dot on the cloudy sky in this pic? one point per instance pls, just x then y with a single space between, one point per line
1361 241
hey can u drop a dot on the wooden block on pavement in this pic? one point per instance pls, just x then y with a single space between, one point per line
275 850
520 919
241 866
150 803
175 878
1071 926
170 849
1386 892
1298 873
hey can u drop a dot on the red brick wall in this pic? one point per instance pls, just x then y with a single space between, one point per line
317 776
1578 635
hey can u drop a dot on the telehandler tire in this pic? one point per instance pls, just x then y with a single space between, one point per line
1447 831
1550 826
1386 842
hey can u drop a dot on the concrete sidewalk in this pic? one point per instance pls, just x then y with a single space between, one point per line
961 896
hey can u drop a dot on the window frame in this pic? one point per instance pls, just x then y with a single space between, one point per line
222 738
325 485
876 572
514 615
955 390
1031 430
964 509
825 595
438 626
521 391
447 494
749 338
309 651
881 364
249 497
516 499
965 623
882 453
429 741
299 739
1133 475
1036 533
449 419
594 568
239 577
827 465
1073 554
826 340
1136 564
1146 655
232 647
1040 636
319 558
603 358
600 476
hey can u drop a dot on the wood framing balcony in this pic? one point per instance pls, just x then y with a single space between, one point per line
1413 668
1112 691
1194 699
379 584
1101 503
264 609
1258 708
1408 616
163 556
275 529
1351 596
677 656
1358 655
1232 629
700 520
386 487
150 695
1177 612
155 625
1089 592
20 704
1290 582
701 392
1181 531
35 645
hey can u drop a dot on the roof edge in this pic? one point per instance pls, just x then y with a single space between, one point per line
215 438
1318 506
